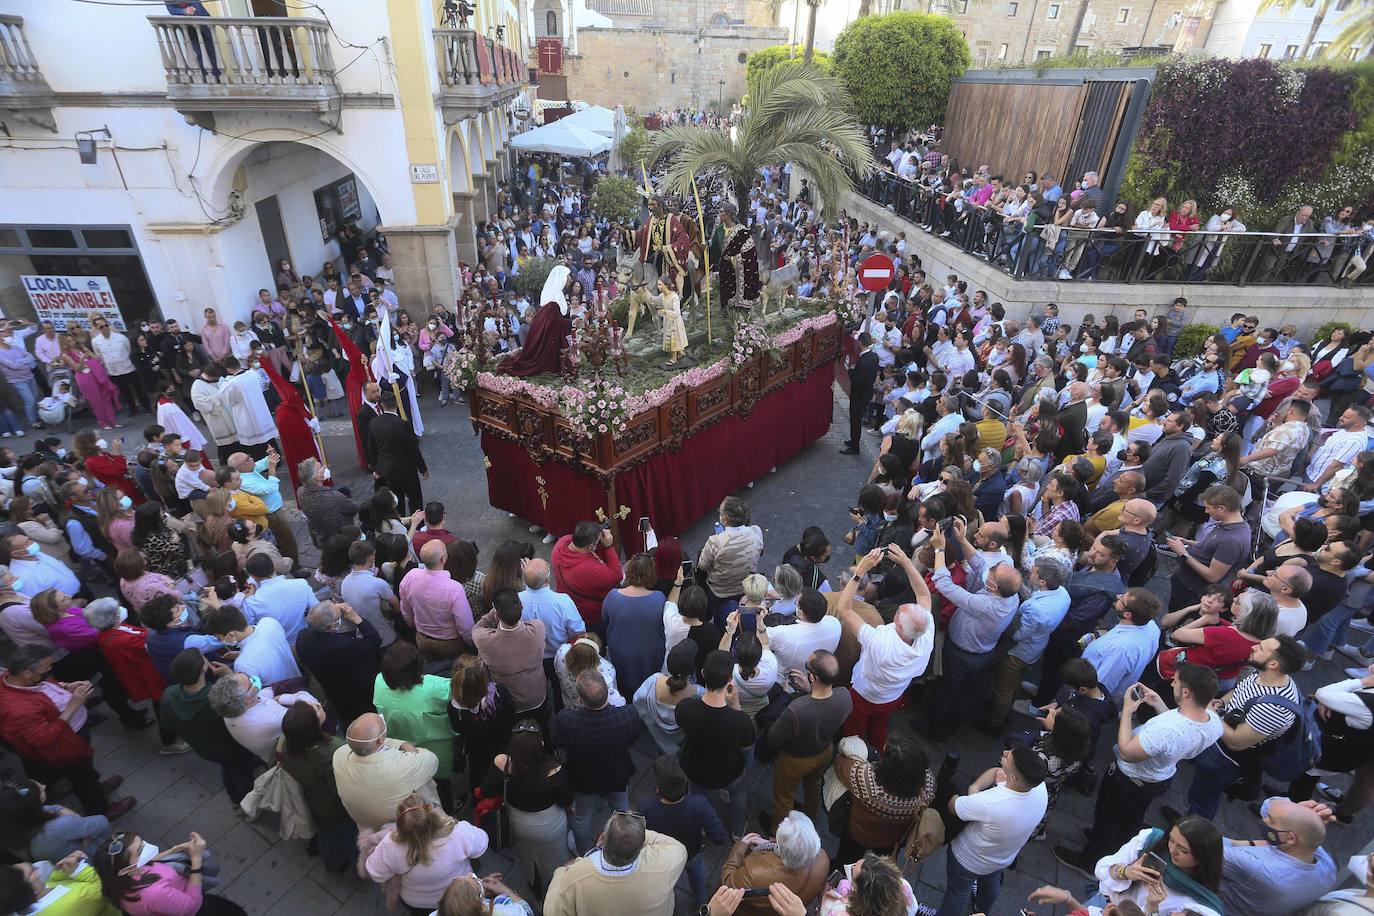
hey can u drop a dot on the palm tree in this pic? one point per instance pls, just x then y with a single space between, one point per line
796 114
865 7
1357 31
1318 15
812 7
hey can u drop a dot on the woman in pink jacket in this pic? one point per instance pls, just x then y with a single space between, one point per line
65 622
152 885
425 850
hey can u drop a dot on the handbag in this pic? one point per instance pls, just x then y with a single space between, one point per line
495 819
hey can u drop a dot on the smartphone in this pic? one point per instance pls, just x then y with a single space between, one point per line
835 878
748 621
1155 861
755 892
644 523
688 569
1137 693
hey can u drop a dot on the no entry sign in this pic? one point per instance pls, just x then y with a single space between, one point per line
876 272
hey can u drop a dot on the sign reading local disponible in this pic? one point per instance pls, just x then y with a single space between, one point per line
70 300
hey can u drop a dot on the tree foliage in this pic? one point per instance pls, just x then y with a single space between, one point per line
616 198
899 67
766 59
634 148
530 281
796 114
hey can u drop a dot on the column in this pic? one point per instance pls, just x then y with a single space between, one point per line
425 259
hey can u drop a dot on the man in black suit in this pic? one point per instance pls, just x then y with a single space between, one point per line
863 375
371 410
1073 420
393 453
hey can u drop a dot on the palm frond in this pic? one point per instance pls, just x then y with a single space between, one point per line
1357 30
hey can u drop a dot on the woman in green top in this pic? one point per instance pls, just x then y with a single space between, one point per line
415 707
308 758
69 888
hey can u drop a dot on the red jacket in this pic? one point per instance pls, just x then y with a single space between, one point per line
124 648
33 725
586 577
113 471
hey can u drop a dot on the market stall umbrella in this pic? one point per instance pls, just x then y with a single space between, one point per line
563 139
596 119
617 164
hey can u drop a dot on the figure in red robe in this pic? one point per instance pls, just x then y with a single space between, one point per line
295 425
358 376
547 337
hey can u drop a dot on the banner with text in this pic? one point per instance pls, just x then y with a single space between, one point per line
70 300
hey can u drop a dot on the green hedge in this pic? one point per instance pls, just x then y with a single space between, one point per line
1191 339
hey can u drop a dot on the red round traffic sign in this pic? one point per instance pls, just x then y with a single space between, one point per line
876 272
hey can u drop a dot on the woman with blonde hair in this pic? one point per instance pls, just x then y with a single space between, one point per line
115 513
905 442
787 582
1149 226
584 654
426 850
216 509
489 896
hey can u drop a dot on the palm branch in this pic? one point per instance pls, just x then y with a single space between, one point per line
796 114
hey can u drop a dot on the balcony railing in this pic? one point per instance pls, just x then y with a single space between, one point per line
23 91
221 63
1157 256
476 73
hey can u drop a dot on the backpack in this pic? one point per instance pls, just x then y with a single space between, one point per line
1297 750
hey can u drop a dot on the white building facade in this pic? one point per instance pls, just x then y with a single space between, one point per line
1240 29
181 157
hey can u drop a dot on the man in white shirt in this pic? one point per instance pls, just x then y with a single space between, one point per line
960 359
949 422
890 656
113 350
284 599
264 652
793 643
35 570
1002 808
1147 758
1340 448
253 713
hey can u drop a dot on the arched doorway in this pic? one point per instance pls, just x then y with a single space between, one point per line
296 201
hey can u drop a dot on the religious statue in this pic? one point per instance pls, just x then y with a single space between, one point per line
739 265
665 242
669 305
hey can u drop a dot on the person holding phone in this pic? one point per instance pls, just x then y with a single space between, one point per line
1165 871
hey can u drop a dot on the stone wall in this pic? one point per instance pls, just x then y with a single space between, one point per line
1305 307
1017 30
655 67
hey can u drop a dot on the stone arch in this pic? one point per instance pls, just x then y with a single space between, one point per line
223 170
459 170
548 19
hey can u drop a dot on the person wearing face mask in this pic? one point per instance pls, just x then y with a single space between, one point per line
344 652
69 888
206 398
34 570
124 646
1286 870
90 546
115 517
252 712
143 880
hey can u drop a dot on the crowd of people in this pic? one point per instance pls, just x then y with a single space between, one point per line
1067 531
1039 227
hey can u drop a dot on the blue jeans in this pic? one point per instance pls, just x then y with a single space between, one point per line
1214 772
959 887
1330 631
695 872
739 798
9 423
586 806
29 395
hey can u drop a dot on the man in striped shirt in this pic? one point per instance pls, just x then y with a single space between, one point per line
1235 758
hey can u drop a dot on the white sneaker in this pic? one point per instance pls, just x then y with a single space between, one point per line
1364 626
170 750
549 539
535 529
1065 275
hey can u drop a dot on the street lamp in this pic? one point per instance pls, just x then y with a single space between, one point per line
720 96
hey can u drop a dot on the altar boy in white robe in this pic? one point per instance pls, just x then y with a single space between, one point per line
241 395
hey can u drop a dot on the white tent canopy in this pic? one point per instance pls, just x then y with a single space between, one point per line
563 139
594 118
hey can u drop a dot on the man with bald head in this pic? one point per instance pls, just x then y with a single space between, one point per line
1286 870
562 623
890 656
259 478
1137 519
375 773
982 613
1126 485
436 605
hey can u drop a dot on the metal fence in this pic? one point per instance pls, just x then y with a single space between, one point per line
1048 252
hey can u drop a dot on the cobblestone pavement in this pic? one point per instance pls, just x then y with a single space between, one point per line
267 875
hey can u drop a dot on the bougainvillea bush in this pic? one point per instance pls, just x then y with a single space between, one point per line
1260 135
